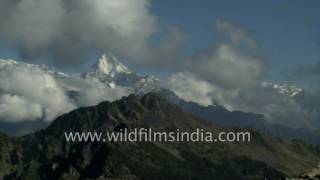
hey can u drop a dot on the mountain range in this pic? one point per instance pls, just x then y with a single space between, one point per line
42 152
108 71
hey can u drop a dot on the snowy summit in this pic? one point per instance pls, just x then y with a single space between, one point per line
110 65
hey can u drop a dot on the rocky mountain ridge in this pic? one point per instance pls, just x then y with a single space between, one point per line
46 154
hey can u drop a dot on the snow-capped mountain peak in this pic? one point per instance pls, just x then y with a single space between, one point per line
110 71
110 65
12 64
283 88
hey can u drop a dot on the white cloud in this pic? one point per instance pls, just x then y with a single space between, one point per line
68 29
277 108
228 66
190 88
14 108
29 93
231 65
91 91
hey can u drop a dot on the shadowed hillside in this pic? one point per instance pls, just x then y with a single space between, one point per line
46 154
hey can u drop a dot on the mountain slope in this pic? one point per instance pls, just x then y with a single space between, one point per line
46 154
226 118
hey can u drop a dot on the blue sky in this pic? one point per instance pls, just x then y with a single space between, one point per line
286 30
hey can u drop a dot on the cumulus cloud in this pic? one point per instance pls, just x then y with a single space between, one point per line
90 91
66 30
190 88
276 107
229 65
15 108
28 92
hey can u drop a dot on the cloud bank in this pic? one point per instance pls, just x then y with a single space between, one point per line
28 92
66 30
91 91
190 88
